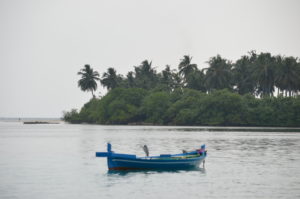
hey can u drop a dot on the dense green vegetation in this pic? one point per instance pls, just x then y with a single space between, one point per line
225 93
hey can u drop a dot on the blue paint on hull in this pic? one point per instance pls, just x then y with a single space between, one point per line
120 164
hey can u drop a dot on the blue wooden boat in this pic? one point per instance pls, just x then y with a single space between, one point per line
186 160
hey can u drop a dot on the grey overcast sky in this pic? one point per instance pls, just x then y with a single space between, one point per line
43 44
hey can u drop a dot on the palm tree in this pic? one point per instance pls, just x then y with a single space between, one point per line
242 74
88 79
110 79
186 67
166 75
130 79
287 74
145 69
170 78
218 75
195 81
177 80
145 75
264 73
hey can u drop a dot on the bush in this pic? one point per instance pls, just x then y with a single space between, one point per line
72 117
187 107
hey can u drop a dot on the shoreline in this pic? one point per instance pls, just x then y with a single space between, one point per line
209 128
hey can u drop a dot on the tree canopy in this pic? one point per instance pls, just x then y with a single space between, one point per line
224 93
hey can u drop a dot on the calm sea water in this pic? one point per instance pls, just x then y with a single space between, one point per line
58 161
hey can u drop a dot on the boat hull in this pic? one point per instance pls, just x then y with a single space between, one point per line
134 164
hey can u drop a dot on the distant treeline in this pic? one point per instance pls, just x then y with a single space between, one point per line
225 93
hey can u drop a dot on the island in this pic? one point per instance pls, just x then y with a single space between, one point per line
259 89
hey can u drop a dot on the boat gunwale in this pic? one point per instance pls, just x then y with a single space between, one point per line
159 161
